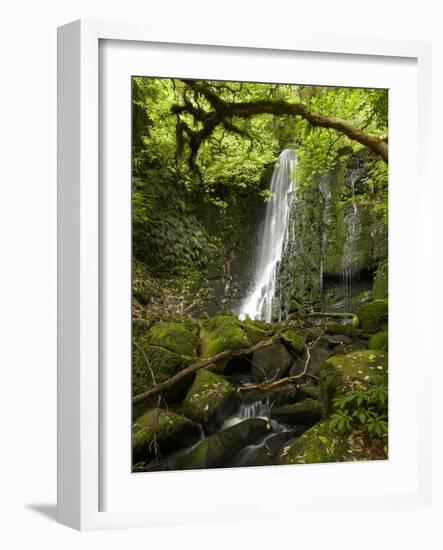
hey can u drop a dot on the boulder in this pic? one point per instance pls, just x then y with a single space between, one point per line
318 354
220 333
151 365
374 316
340 372
175 337
256 330
379 341
270 362
209 400
321 444
159 431
317 445
293 340
278 395
341 329
309 390
336 339
306 413
218 449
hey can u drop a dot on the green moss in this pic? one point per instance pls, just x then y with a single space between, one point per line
152 365
379 340
380 288
337 240
374 316
221 333
158 431
209 400
256 330
175 337
317 445
293 340
337 373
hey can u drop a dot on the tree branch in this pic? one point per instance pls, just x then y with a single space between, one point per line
222 112
227 354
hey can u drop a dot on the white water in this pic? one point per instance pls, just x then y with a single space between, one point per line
258 305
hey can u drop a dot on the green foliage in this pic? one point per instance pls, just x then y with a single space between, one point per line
363 410
194 226
167 234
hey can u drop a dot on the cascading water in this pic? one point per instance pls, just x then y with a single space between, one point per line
259 304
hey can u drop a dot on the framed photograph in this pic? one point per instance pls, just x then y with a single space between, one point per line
241 242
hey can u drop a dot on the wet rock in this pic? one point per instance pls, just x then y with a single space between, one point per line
274 443
158 431
220 448
209 400
306 412
270 362
252 456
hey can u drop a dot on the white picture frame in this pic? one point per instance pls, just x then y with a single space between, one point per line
81 412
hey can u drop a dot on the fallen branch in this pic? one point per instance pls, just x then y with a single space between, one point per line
227 354
268 385
333 315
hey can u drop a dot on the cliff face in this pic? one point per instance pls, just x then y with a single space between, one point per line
337 238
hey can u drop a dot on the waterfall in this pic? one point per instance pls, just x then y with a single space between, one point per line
259 304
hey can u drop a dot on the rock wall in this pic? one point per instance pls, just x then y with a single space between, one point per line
337 237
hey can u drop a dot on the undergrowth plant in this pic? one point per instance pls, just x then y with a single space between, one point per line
363 410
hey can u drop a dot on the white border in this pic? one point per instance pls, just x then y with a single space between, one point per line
78 278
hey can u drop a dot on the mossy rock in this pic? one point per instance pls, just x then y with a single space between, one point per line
319 444
220 448
309 390
270 362
379 341
159 431
293 340
221 333
256 330
340 372
374 316
209 400
175 337
306 412
149 361
338 328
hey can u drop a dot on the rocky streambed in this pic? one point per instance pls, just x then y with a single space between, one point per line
271 406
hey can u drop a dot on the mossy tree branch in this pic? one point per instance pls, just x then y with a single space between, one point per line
224 112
